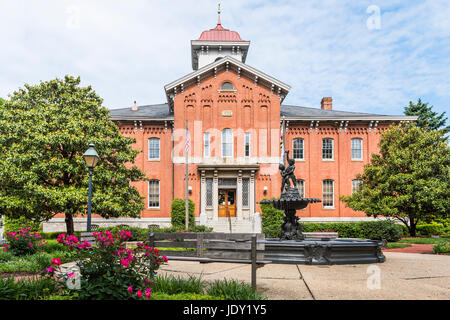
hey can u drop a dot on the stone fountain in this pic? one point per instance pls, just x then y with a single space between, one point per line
293 248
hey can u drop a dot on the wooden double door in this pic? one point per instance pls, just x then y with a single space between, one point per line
227 203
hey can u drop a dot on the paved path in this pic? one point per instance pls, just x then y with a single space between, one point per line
402 276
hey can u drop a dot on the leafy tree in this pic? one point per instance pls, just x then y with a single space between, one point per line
427 118
178 213
44 131
408 180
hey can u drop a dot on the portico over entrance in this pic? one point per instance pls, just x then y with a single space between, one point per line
227 191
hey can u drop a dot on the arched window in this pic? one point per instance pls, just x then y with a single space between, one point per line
328 193
227 86
153 148
357 150
327 149
227 143
297 148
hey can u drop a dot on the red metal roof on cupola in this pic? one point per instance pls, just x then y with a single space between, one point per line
219 33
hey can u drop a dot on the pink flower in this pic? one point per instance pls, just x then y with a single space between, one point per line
56 261
139 293
70 275
50 269
124 262
31 245
147 293
130 289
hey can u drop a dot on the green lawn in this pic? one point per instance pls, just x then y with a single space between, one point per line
395 245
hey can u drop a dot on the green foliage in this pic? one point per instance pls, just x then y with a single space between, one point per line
183 296
24 242
429 229
233 290
427 118
44 131
423 240
408 180
178 214
375 230
442 247
27 289
54 235
34 263
13 225
397 245
271 219
137 234
170 284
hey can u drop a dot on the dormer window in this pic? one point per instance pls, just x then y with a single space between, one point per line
227 86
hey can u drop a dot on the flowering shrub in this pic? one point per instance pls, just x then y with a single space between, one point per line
24 242
109 270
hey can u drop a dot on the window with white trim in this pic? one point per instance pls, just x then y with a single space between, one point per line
153 148
301 187
153 194
206 144
356 185
328 193
327 149
245 192
297 148
247 144
357 149
227 143
209 192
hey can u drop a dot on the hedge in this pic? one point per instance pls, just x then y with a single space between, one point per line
178 213
272 220
428 229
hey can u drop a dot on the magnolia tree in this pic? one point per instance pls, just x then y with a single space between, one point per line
44 131
408 180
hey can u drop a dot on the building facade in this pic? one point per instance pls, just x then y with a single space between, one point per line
234 113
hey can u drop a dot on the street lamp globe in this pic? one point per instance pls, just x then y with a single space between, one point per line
91 157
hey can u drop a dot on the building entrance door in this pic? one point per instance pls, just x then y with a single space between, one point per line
227 203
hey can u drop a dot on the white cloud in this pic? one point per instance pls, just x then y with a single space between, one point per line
128 50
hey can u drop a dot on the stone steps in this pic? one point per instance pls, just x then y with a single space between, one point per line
242 226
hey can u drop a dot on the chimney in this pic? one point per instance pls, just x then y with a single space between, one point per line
135 107
327 103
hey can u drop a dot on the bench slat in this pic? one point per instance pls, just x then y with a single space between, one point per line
175 244
195 259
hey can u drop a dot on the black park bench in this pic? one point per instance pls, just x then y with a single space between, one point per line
210 247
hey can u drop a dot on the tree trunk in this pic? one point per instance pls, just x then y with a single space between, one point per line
412 230
69 223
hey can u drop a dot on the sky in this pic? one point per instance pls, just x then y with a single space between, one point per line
370 56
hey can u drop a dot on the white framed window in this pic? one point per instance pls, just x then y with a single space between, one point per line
357 149
301 187
153 148
153 194
298 148
227 143
356 185
245 192
206 145
328 193
327 149
247 144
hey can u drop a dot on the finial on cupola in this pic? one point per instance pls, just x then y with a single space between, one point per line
218 13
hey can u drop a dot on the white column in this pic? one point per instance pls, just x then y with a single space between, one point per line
239 196
215 197
202 193
252 193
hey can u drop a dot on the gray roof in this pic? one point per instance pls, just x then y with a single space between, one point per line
162 112
154 111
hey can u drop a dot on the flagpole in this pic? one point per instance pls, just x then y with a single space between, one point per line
186 150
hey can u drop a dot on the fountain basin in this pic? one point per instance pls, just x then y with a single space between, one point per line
323 251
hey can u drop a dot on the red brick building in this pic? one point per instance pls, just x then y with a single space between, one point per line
234 114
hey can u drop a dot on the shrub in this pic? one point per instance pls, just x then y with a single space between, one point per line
379 230
178 214
27 289
428 229
272 219
442 247
54 235
14 225
174 285
233 290
183 296
110 271
24 242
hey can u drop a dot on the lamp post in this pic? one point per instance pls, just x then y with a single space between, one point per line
91 157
